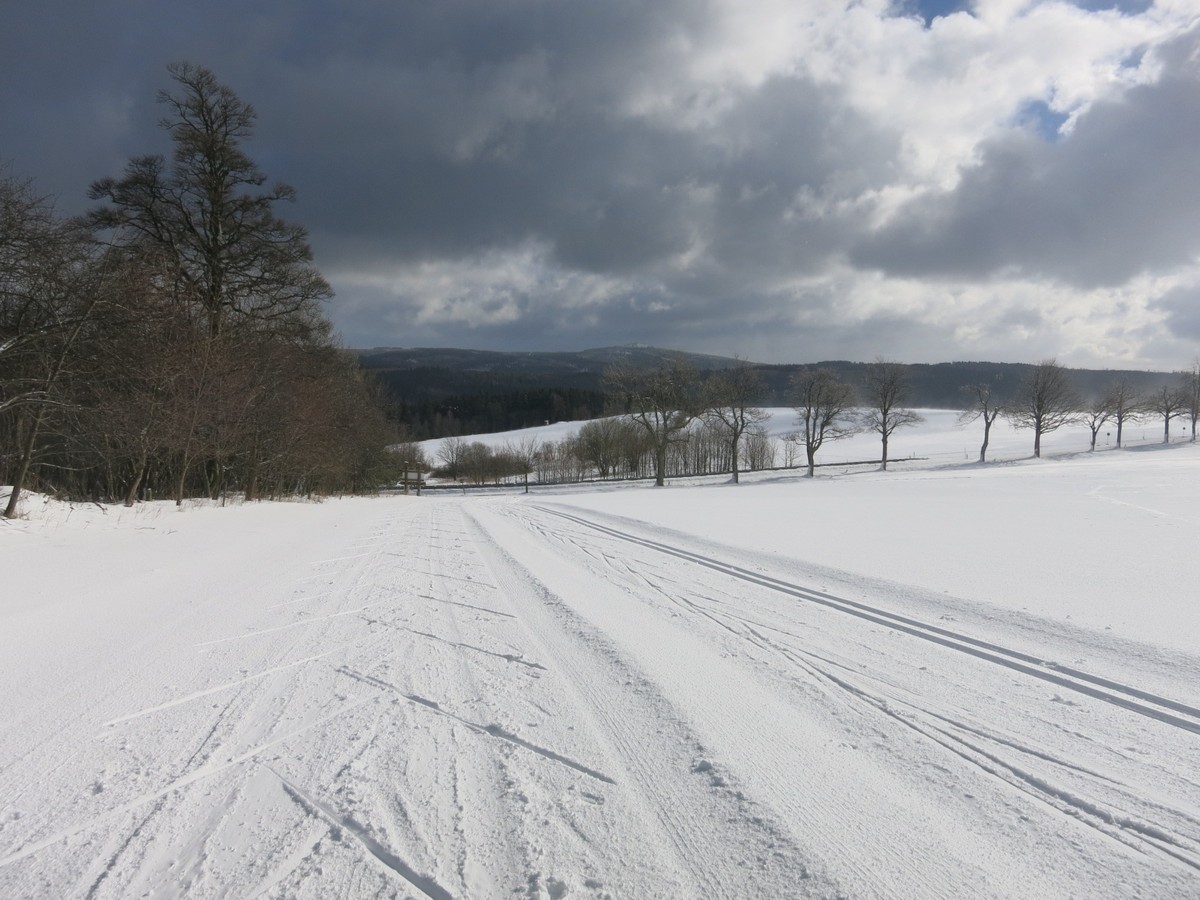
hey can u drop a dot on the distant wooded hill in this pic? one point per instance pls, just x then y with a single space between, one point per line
444 391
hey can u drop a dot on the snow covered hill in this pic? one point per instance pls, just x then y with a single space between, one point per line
948 680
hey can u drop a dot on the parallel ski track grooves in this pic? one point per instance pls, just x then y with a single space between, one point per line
1094 686
1121 827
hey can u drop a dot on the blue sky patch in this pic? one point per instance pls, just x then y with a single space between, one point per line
929 10
1039 118
1125 7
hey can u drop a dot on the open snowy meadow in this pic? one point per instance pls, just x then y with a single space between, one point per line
945 680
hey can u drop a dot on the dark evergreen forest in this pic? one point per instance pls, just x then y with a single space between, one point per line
442 392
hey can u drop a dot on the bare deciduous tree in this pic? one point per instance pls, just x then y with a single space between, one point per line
1045 401
1168 402
188 356
885 389
824 408
450 454
1190 389
477 461
732 395
49 287
662 402
209 209
1094 415
524 453
760 449
1124 403
602 444
982 404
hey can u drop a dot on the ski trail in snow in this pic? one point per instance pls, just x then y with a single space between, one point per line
302 598
1132 814
516 658
390 860
701 823
308 621
213 690
494 612
321 562
1121 827
493 729
206 771
1072 679
1098 493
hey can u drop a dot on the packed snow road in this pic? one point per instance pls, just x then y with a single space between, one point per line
472 697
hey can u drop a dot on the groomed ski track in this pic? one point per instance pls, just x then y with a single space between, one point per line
497 697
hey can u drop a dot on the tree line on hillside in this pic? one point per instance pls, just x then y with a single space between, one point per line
671 421
427 383
496 410
171 342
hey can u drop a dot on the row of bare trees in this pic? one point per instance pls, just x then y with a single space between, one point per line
612 448
171 343
671 421
1046 401
664 402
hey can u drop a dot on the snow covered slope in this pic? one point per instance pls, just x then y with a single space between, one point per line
959 681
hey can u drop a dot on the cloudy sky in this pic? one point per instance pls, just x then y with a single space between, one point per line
788 180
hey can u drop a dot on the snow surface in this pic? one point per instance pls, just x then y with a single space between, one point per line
944 680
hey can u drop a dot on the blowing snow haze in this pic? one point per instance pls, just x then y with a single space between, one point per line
784 181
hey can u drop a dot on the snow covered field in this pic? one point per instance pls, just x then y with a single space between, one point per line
944 680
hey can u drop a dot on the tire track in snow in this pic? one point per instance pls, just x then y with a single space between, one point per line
1126 696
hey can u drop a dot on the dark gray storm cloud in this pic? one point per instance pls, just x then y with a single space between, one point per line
1181 306
529 173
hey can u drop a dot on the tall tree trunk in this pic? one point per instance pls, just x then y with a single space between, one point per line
252 471
139 475
734 448
23 464
252 480
884 464
987 429
206 478
181 481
